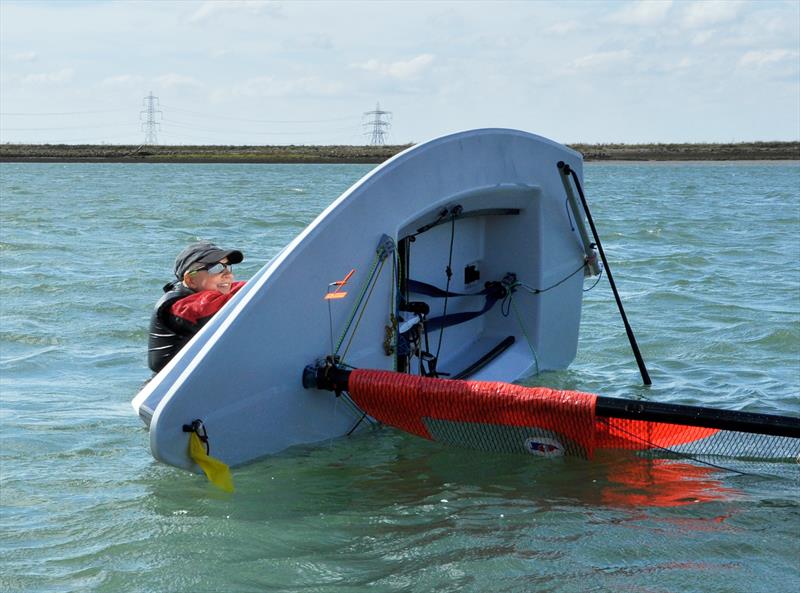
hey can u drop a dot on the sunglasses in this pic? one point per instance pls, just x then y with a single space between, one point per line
214 269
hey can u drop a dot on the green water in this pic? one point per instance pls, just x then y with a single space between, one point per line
708 263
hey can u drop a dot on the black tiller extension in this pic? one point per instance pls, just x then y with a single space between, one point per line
566 171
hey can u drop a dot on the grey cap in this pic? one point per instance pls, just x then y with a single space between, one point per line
204 252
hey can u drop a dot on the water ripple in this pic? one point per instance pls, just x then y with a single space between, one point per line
704 256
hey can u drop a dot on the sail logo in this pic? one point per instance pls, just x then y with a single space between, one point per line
543 447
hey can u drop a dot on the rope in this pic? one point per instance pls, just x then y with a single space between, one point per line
363 309
596 282
505 306
508 304
449 273
345 397
357 304
559 283
525 333
394 305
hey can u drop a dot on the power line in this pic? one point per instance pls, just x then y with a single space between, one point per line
153 123
264 121
202 138
170 123
41 113
64 128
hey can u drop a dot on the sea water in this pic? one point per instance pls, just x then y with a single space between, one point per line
707 261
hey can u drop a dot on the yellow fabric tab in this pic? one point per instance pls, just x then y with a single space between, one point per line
218 473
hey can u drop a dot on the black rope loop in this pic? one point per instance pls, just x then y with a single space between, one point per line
200 430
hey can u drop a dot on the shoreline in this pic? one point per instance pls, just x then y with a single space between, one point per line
342 154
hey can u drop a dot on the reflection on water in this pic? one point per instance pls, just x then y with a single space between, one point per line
635 482
408 509
387 465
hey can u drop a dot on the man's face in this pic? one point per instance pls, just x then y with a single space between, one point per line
208 280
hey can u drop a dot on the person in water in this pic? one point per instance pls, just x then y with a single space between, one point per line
204 284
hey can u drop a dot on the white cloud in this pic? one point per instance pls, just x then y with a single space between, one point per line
24 56
499 42
680 65
45 78
123 80
710 12
438 72
602 60
309 41
267 86
703 37
768 57
563 28
175 80
402 70
212 9
644 12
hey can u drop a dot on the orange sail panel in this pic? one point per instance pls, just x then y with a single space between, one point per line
638 435
544 421
498 416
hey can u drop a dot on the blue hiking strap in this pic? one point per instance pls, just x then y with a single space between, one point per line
455 318
493 292
430 290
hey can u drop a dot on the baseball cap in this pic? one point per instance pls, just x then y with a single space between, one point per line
204 252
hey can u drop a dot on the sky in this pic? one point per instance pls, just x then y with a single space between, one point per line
262 72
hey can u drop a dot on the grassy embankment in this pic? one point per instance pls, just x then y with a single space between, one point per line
374 154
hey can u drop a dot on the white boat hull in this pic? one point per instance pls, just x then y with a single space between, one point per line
242 373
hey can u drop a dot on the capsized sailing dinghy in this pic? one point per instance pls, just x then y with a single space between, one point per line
463 257
473 213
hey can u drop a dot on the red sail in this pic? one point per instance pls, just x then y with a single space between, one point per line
542 420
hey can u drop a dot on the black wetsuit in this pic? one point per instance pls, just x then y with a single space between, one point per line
168 333
178 315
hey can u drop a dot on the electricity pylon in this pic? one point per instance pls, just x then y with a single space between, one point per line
377 127
150 125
